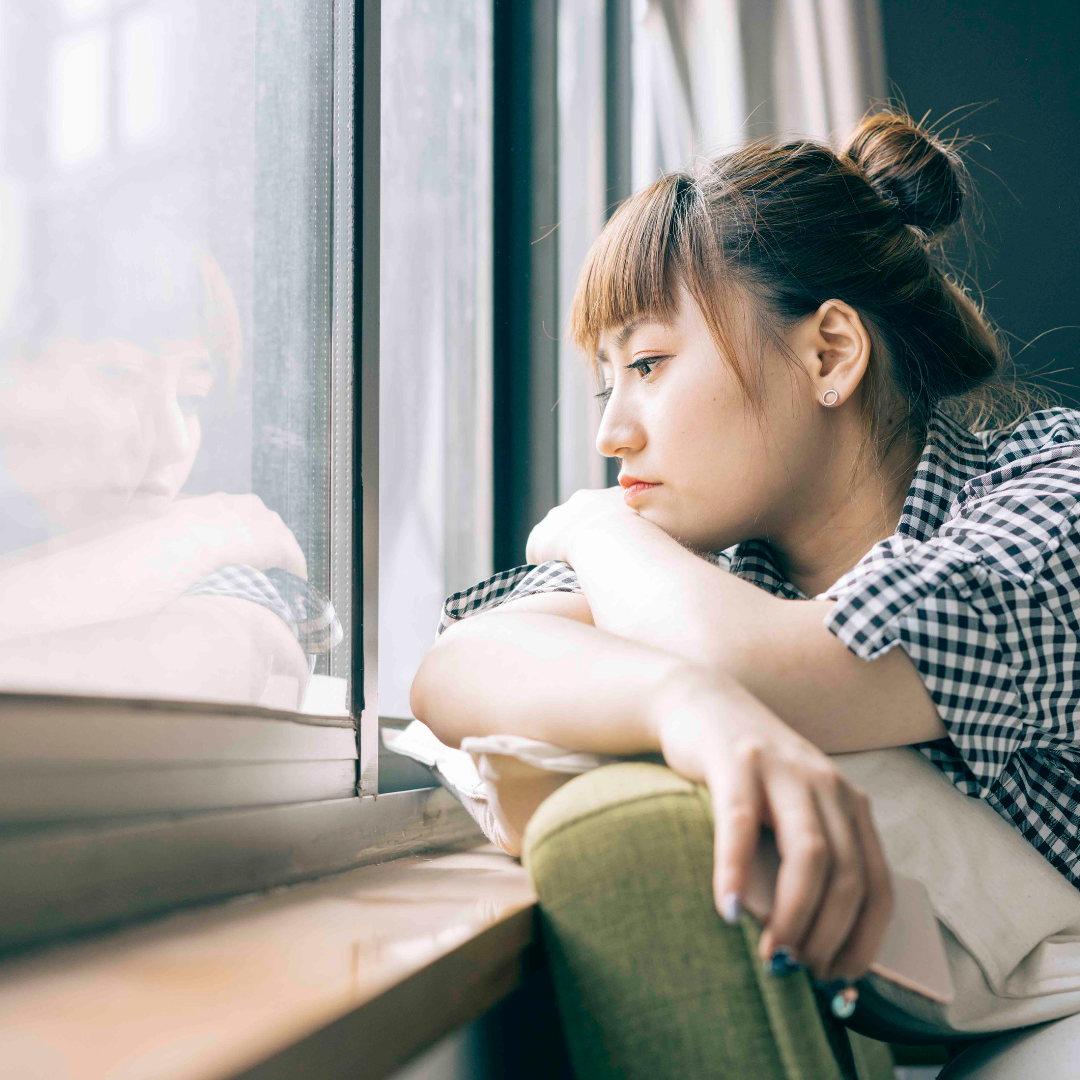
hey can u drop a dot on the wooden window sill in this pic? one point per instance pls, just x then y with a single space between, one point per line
349 976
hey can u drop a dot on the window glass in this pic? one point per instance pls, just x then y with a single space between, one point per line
165 282
583 203
435 369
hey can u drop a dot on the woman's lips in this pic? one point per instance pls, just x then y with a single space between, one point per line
633 487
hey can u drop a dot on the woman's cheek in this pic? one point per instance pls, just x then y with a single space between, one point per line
126 447
194 428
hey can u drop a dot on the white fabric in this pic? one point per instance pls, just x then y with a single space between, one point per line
525 768
454 768
1010 921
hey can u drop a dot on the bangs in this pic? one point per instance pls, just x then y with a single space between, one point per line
633 271
658 243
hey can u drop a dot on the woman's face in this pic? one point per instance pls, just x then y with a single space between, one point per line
92 430
677 417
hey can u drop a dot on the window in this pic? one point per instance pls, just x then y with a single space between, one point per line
189 365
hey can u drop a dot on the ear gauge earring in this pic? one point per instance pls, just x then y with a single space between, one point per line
830 398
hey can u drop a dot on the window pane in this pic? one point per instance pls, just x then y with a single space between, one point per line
435 381
583 200
165 283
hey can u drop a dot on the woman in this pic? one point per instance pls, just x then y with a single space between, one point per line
113 581
787 379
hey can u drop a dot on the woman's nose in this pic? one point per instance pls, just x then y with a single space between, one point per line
170 437
620 431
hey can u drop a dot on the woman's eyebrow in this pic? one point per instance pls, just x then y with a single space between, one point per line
621 338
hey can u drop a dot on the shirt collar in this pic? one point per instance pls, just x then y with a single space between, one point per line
952 456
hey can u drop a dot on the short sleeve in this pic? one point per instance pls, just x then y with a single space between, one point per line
988 610
507 585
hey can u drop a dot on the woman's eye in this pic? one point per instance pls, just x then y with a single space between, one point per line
117 375
604 396
644 365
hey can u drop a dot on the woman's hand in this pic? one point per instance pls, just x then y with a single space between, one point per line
553 537
833 896
196 536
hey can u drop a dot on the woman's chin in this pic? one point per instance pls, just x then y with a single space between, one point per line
689 534
668 522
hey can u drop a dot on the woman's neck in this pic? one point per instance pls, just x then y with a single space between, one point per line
856 508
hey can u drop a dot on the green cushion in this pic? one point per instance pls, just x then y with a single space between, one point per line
651 982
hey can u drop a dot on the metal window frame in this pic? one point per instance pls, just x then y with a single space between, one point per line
362 160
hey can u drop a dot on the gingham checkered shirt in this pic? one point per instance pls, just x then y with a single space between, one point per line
304 610
980 586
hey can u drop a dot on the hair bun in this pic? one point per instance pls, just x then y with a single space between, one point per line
909 168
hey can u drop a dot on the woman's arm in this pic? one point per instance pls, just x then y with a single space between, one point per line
140 565
516 672
560 680
215 648
643 585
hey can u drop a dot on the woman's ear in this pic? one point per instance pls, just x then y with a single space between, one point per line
834 346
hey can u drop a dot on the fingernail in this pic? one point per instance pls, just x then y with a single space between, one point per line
730 908
782 963
843 1003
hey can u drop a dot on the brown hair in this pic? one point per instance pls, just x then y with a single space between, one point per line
794 225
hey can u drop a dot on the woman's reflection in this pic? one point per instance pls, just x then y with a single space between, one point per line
111 581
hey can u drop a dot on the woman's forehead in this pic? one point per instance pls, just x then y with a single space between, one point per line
618 337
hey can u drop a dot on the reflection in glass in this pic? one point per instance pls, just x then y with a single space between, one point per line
163 344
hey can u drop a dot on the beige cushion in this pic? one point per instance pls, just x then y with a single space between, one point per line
1010 921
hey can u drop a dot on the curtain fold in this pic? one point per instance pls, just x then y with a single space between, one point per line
710 73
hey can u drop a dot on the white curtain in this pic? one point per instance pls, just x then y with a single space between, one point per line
710 73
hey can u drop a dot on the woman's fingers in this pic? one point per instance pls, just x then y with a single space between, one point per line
805 861
862 943
737 808
846 886
273 542
832 898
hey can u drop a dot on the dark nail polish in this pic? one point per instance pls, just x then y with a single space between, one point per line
782 963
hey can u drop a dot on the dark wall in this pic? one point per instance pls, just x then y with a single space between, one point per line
1023 59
